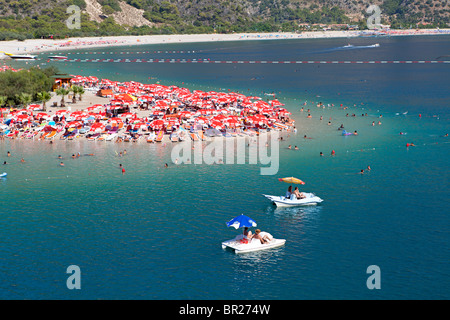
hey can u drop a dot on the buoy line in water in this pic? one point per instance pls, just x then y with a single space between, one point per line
257 61
121 52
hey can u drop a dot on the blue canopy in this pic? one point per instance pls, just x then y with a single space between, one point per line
241 221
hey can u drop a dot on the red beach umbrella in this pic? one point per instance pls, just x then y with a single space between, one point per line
186 114
34 106
201 119
127 115
157 124
216 124
275 103
139 125
232 122
97 126
59 112
41 115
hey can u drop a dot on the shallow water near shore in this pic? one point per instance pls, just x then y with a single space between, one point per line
155 233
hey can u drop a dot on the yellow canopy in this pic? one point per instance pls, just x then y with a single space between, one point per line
291 180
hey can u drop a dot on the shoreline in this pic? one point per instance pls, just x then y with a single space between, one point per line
36 46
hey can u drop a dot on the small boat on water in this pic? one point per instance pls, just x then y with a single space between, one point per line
242 244
291 200
3 175
58 57
20 56
310 200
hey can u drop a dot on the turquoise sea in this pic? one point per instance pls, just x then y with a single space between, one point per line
156 233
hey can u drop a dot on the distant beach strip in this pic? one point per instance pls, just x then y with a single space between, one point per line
45 45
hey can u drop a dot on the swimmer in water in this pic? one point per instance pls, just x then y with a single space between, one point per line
296 148
22 160
166 165
321 153
9 154
333 153
289 147
61 164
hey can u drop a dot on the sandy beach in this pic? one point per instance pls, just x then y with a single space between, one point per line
45 45
76 113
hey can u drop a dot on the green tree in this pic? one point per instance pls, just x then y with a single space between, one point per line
24 99
62 92
80 92
43 96
74 90
3 100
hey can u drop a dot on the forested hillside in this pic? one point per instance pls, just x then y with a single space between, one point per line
21 19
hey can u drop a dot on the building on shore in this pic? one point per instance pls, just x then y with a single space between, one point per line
61 80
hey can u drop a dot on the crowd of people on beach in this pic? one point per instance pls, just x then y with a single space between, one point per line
168 110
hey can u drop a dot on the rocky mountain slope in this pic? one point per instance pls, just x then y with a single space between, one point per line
40 18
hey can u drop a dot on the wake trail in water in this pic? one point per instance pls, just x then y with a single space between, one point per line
348 47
